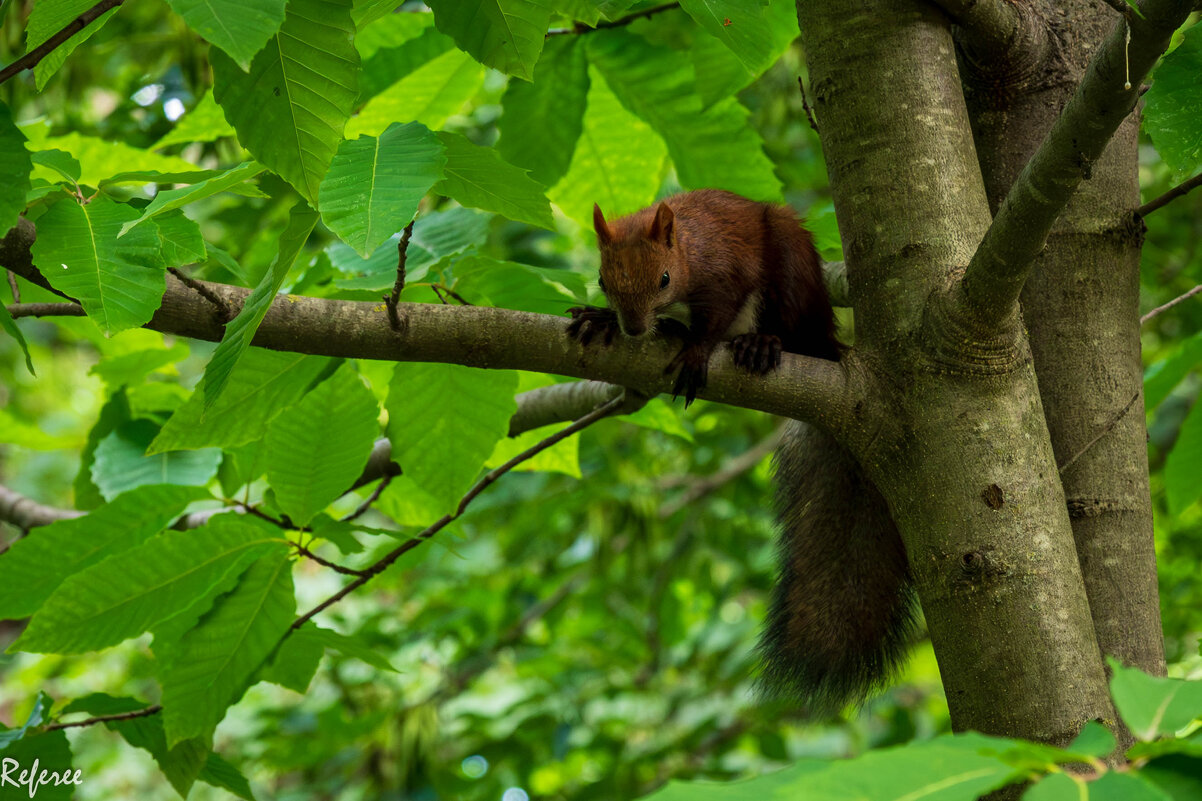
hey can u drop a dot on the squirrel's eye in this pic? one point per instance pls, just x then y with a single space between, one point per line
663 281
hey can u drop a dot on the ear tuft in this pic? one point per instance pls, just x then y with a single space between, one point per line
662 227
600 226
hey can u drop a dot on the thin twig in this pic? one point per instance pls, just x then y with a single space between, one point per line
337 568
139 713
224 314
1171 195
31 59
46 310
1170 304
698 489
462 301
617 23
371 499
12 284
1113 422
380 566
391 300
805 104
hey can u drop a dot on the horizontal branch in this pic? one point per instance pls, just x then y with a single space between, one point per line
989 291
481 336
26 513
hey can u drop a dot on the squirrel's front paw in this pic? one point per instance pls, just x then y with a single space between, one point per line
756 353
591 321
694 362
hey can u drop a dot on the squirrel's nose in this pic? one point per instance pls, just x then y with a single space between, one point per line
632 328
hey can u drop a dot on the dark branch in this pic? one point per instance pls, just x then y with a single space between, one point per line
371 499
46 310
1170 304
31 59
139 713
989 291
337 568
617 23
391 301
221 308
1177 191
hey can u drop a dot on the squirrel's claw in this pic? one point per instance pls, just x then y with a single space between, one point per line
693 361
756 353
589 321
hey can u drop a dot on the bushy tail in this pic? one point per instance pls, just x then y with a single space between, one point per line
843 608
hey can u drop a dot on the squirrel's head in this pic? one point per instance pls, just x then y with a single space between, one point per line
642 268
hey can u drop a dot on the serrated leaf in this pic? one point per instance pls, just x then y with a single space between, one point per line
290 110
395 46
59 161
1152 706
15 167
478 177
504 34
119 283
444 420
218 772
295 661
375 184
210 666
126 594
48 18
543 120
711 147
33 567
1183 467
506 284
1170 114
738 24
239 27
180 240
310 466
121 464
429 95
722 74
263 384
618 163
170 199
562 457
204 122
99 159
241 330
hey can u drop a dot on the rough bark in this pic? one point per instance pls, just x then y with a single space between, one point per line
1081 309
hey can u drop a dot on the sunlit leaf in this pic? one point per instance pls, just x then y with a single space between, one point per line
504 34
478 177
1170 114
15 166
239 27
48 18
429 95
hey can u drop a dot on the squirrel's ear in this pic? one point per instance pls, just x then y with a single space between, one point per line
600 226
662 225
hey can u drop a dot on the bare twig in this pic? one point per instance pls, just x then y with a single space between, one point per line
46 310
371 499
1171 195
1170 304
733 468
31 59
617 23
1109 426
391 300
805 104
224 314
12 284
138 713
337 568
381 565
440 288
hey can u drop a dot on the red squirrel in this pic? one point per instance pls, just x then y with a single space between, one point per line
710 267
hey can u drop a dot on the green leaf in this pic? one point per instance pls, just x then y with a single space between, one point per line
722 74
129 368
1177 775
1151 706
205 122
660 415
618 162
407 504
740 25
49 751
296 660
15 166
375 184
37 716
309 466
220 773
1095 740
506 284
119 283
180 240
113 414
351 646
59 161
48 18
1057 787
504 34
33 567
10 326
121 463
290 110
1162 377
239 27
711 147
1170 113
171 199
208 669
562 457
262 384
478 177
429 95
100 159
394 46
1183 467
126 594
444 421
543 120
241 330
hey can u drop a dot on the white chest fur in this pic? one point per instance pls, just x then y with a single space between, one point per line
749 317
